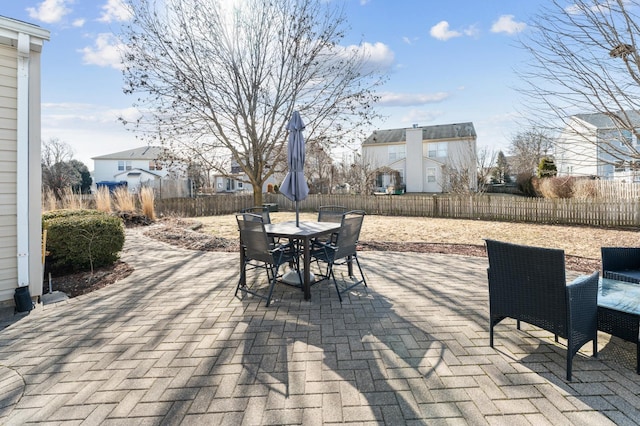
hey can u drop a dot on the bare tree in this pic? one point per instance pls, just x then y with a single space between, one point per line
59 173
527 148
223 78
586 60
319 165
460 171
360 174
486 157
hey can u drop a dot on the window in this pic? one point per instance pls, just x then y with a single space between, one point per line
240 185
124 165
431 174
396 152
120 164
155 165
437 150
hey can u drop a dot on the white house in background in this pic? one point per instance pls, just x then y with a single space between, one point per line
136 167
20 173
585 148
425 156
237 182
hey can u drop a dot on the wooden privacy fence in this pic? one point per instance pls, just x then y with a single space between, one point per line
601 213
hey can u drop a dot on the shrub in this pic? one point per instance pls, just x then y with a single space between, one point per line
526 184
547 168
80 240
557 187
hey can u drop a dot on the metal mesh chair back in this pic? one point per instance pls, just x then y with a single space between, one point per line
258 210
254 238
349 234
331 213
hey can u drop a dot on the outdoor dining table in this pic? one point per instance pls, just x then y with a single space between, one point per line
304 233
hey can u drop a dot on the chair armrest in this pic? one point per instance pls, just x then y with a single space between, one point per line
620 258
582 300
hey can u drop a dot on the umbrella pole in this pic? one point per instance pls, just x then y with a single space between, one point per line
297 215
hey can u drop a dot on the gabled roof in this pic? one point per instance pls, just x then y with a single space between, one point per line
142 153
437 132
136 172
603 121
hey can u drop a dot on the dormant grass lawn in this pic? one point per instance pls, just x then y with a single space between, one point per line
576 241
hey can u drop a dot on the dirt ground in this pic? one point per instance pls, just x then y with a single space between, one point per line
382 233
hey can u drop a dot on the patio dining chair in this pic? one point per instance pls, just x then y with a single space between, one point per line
259 252
529 284
342 251
330 214
258 210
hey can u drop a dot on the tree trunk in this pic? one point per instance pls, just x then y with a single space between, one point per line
257 197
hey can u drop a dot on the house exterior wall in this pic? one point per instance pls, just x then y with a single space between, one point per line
8 172
421 172
576 152
20 171
106 170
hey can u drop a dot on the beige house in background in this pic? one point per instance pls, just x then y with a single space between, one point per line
20 174
425 157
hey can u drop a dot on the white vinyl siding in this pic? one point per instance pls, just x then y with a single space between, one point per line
8 175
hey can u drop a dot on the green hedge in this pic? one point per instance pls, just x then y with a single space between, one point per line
78 240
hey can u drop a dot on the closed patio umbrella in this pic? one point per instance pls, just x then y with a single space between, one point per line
294 186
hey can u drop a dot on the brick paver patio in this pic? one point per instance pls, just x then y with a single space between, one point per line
170 344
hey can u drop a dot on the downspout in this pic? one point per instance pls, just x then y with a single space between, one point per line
23 160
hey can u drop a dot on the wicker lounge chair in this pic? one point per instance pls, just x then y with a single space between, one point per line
529 284
259 251
621 263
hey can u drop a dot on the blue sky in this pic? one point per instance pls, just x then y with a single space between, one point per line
449 61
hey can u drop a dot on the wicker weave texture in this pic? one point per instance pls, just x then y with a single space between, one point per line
529 284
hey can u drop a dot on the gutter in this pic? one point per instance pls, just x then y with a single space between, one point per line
23 160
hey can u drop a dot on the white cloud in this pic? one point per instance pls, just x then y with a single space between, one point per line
506 24
441 31
472 31
79 23
376 56
106 52
363 2
50 11
411 99
115 10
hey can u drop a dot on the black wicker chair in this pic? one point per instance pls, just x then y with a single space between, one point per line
529 284
259 252
621 263
342 251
